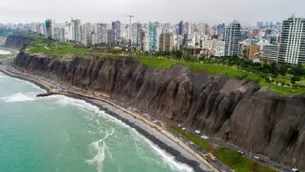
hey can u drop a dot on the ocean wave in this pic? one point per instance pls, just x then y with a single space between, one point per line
19 97
99 147
87 107
167 158
5 52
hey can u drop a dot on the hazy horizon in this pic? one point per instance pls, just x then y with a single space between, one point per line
209 11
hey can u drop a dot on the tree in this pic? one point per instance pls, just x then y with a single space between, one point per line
294 79
282 69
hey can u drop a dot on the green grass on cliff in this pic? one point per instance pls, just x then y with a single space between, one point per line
195 139
230 158
240 163
54 48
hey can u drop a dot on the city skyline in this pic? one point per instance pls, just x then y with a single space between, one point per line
210 11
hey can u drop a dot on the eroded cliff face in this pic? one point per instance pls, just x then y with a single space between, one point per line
235 110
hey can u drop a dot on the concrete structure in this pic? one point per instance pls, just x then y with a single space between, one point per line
292 45
232 38
270 52
86 38
116 32
166 42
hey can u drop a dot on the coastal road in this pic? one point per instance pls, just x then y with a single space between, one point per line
247 154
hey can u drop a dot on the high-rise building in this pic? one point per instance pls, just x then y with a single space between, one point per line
48 26
152 36
116 32
145 39
134 34
292 45
101 33
166 42
86 34
232 38
76 30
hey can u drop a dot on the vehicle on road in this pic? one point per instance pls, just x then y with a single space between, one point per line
256 157
240 152
214 159
197 132
295 170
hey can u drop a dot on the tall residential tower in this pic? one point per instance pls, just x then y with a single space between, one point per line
292 46
232 37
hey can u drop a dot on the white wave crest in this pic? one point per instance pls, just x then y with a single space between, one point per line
167 158
5 52
99 147
83 105
19 97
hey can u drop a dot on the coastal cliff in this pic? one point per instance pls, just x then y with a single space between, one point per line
235 110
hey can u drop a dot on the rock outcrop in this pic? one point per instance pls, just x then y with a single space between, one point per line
232 109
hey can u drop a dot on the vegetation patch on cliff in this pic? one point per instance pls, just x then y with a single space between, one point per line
230 158
197 140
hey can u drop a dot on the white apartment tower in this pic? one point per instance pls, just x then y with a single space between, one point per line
232 37
292 45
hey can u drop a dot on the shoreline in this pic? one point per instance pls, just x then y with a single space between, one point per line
165 143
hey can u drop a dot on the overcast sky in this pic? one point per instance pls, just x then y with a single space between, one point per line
210 11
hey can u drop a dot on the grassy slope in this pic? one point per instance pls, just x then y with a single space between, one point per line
197 140
232 159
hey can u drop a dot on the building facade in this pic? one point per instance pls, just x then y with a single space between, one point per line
152 36
166 42
49 30
76 30
270 52
292 44
232 37
116 32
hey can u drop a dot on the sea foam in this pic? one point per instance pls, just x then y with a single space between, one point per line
167 158
19 97
99 147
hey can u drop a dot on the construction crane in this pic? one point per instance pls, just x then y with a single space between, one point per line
130 18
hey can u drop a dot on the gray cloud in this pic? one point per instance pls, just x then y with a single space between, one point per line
210 11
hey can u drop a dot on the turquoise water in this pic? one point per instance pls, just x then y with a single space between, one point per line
60 134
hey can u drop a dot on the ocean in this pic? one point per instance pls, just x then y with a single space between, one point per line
61 134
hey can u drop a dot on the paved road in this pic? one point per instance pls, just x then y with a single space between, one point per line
246 154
